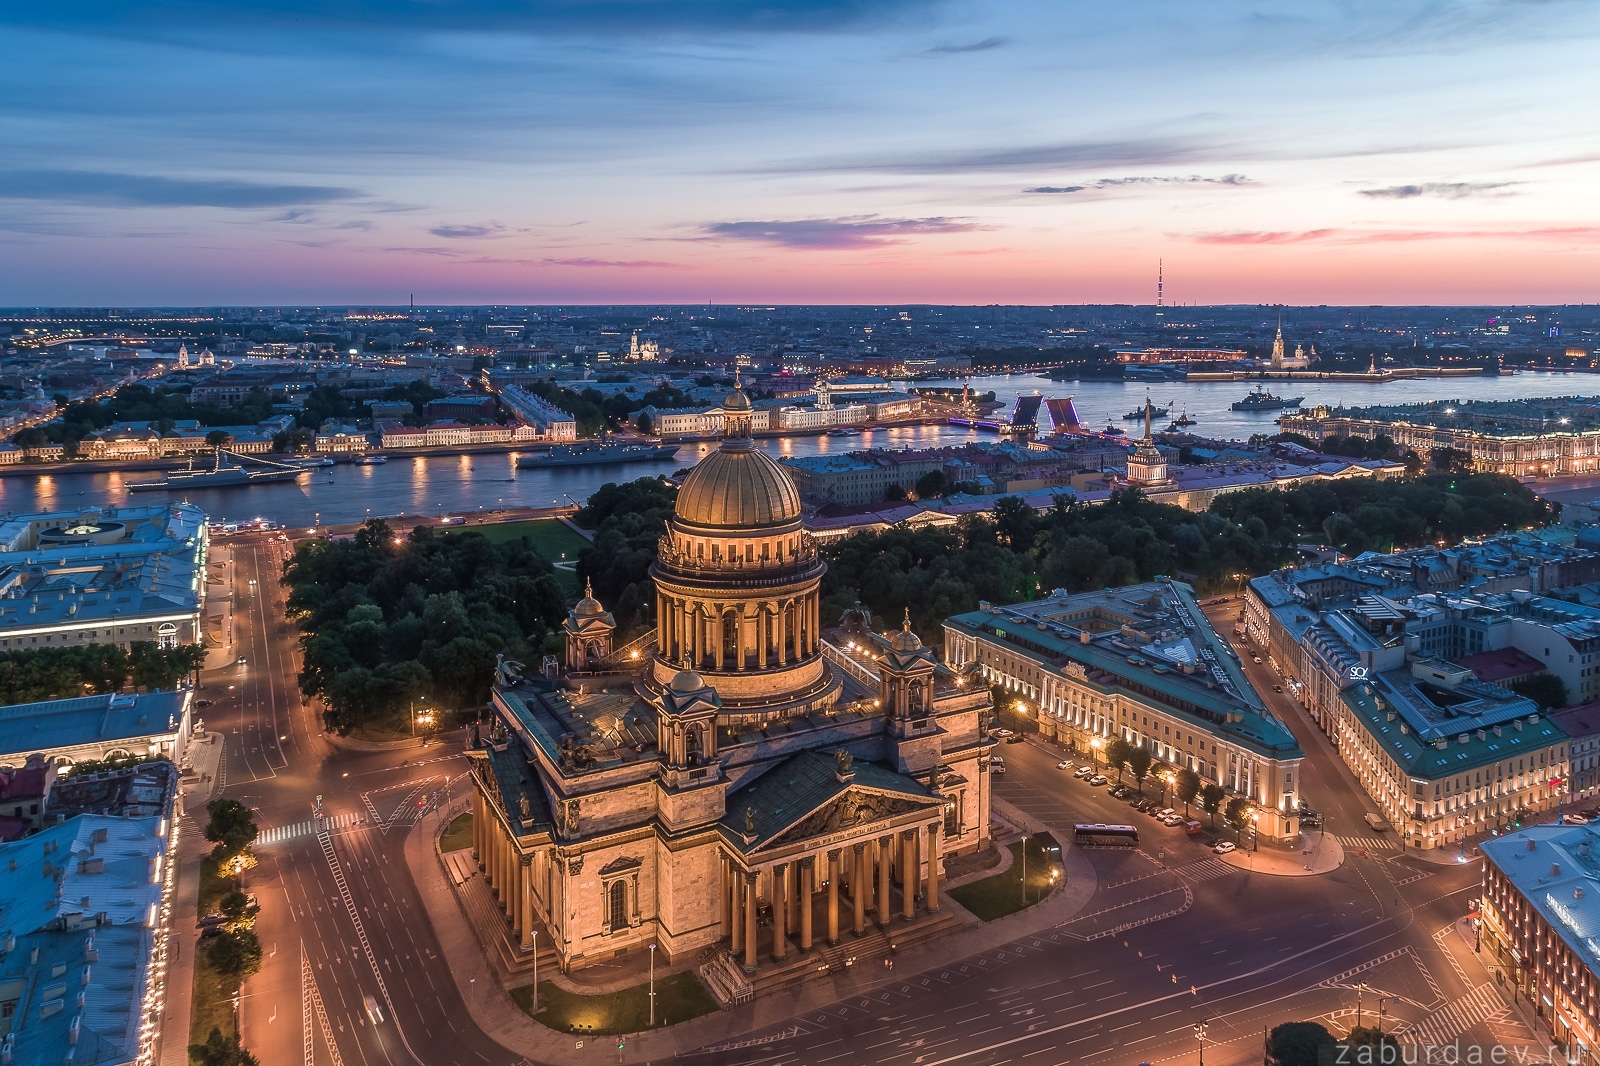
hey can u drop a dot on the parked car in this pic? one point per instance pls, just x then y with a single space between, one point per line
1225 847
1014 738
1063 765
202 703
997 768
1120 790
211 932
1002 733
1310 821
1084 771
1172 821
1192 827
1097 780
1167 812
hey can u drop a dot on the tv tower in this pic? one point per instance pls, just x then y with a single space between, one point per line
1160 313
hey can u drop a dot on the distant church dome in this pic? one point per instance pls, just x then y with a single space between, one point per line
738 486
905 640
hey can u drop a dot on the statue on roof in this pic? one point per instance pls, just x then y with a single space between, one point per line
844 759
525 807
750 821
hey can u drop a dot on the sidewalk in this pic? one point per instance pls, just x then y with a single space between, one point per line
204 757
493 1011
1317 854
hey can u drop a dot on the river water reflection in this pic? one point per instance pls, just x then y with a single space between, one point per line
452 485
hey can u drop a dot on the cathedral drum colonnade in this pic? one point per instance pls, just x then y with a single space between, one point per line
740 789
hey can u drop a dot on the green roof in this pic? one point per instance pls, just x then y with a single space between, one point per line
1420 758
800 785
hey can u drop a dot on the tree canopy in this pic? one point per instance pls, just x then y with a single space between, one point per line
628 520
33 674
1298 1043
387 620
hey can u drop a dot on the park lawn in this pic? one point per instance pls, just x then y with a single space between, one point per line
213 994
458 834
679 997
551 538
1000 895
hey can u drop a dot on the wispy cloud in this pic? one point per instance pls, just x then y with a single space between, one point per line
1236 180
858 231
613 264
985 45
1265 237
1155 151
1444 190
111 189
468 231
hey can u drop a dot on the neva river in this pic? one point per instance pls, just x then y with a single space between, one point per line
457 485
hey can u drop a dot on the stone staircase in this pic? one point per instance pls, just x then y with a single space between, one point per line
493 930
726 980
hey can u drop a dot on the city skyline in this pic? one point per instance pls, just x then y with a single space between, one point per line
796 152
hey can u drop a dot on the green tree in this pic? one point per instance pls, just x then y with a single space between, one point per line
644 424
1298 1044
1138 764
219 1050
219 438
1368 1037
232 828
1117 752
930 485
1452 460
1211 797
1238 814
1186 787
236 907
1547 690
235 954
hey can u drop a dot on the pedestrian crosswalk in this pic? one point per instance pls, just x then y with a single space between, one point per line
1448 1022
279 833
1205 870
1369 843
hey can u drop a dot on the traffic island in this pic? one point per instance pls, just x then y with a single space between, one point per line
1005 893
679 997
1316 854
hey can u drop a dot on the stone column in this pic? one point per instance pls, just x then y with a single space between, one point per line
807 891
735 908
527 902
791 892
933 868
716 638
750 922
908 874
477 825
833 897
782 621
780 911
858 899
729 897
883 879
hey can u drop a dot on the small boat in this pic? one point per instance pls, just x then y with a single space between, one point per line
1183 419
1114 431
371 460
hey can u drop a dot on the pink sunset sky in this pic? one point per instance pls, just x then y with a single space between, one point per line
849 151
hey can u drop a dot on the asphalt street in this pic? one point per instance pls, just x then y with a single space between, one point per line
1173 938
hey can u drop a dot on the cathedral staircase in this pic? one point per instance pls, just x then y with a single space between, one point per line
726 980
494 933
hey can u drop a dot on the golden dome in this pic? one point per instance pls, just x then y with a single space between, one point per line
736 401
588 606
905 640
686 681
738 486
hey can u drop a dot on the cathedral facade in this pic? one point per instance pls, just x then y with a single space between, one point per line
748 781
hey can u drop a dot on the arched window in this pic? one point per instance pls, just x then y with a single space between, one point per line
617 904
167 635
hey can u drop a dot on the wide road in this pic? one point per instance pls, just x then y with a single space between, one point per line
1162 947
339 911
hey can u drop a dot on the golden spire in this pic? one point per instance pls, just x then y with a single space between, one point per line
906 626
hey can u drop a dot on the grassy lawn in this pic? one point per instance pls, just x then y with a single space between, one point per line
1000 895
678 998
458 834
551 538
213 994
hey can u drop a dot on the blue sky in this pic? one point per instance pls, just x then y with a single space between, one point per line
619 150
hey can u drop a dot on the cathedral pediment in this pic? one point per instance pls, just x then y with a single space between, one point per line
856 808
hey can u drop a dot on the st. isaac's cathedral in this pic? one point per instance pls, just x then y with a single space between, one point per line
751 783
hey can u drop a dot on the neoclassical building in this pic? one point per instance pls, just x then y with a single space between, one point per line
745 780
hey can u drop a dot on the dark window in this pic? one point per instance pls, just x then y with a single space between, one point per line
618 900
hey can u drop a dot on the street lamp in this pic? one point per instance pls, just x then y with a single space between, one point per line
1095 745
1024 869
653 984
1200 1038
1360 988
